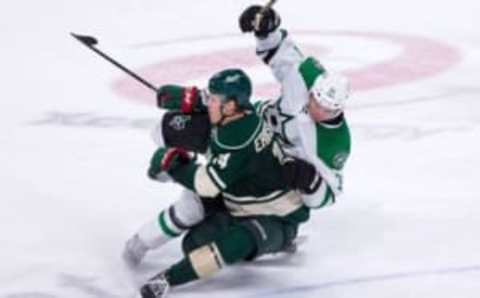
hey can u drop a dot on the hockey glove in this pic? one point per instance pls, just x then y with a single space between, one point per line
301 175
185 99
167 160
261 25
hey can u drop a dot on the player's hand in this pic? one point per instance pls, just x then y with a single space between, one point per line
173 97
166 160
301 175
261 24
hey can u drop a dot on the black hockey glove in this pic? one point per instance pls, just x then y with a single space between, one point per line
190 132
268 21
301 175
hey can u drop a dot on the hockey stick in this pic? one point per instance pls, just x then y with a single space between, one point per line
91 42
259 16
268 5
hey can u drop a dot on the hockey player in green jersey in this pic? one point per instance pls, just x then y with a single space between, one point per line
244 171
185 123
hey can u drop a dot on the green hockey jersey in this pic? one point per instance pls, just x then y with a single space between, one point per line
244 168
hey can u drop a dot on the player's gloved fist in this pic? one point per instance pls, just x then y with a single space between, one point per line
301 175
173 97
252 19
166 160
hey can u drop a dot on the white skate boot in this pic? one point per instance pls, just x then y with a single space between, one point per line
134 252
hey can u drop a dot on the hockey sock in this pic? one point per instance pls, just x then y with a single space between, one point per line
167 224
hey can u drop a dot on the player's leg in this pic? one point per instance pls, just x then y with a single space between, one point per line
233 243
271 234
169 224
207 231
240 240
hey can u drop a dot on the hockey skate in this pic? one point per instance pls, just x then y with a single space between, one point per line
292 246
134 251
156 287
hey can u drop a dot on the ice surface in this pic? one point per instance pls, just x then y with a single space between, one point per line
75 145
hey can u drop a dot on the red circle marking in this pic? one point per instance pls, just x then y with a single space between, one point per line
420 58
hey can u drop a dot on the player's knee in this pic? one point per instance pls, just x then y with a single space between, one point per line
237 245
189 243
206 260
189 210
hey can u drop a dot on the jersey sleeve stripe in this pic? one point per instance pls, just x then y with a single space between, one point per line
216 178
204 184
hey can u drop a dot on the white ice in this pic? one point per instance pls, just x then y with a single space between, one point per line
74 151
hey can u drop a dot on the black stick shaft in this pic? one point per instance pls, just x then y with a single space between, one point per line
111 60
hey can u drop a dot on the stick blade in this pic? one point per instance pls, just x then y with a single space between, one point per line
85 39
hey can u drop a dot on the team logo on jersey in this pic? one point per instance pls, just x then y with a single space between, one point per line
179 121
283 119
276 119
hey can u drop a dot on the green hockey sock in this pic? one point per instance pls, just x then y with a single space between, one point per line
181 273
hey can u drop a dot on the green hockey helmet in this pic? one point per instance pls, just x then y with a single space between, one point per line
233 84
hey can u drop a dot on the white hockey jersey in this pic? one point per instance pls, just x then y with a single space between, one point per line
326 145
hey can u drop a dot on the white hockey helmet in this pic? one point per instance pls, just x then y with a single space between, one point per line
331 90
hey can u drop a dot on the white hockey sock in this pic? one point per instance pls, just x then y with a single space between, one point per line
159 231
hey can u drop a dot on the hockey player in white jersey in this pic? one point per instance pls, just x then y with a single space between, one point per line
308 117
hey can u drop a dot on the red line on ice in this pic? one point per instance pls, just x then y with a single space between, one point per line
420 58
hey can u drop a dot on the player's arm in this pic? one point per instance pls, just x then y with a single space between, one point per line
219 173
280 53
322 197
304 177
207 180
273 45
184 99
